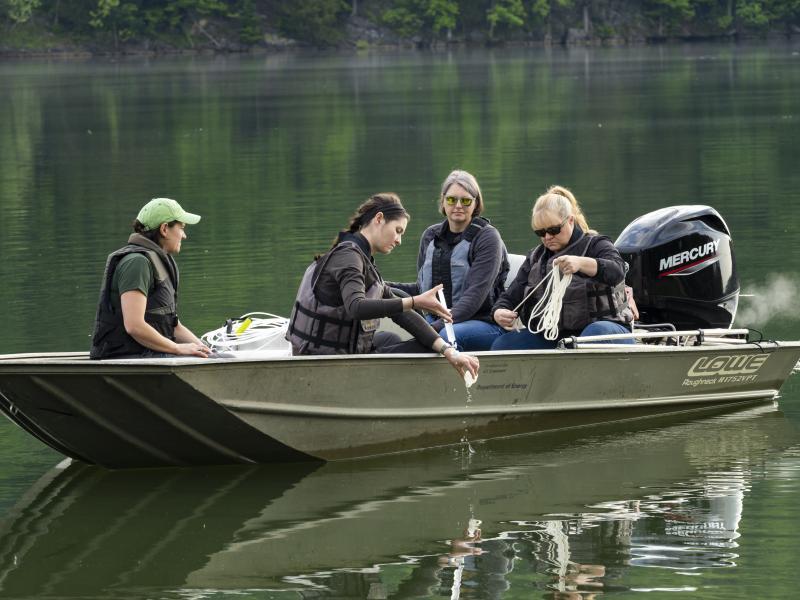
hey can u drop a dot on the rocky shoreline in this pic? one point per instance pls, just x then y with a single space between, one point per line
359 34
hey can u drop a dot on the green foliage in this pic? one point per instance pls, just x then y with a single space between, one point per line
509 13
20 11
250 31
403 19
540 9
427 18
317 21
443 14
322 22
753 13
674 9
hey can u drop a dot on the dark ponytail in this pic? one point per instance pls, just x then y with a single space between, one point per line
385 202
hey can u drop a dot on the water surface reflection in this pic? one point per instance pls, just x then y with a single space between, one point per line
559 515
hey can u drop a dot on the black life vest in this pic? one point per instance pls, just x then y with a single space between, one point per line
110 339
585 300
319 328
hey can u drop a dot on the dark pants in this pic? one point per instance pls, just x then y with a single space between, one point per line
386 342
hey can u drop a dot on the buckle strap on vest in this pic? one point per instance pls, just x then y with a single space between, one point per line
321 322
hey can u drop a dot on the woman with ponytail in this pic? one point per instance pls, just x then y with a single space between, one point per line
594 303
342 296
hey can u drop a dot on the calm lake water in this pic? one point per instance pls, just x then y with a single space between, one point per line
275 152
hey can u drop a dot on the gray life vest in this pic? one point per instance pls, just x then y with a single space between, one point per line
318 328
109 338
585 300
454 273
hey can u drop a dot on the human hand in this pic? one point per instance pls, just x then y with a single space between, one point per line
464 363
193 349
632 302
429 302
505 318
568 263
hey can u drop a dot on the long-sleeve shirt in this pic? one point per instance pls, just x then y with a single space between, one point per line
343 283
610 270
485 257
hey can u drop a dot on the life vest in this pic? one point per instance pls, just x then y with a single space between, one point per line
110 338
450 266
318 328
585 300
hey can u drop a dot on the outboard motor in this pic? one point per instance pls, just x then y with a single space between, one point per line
682 268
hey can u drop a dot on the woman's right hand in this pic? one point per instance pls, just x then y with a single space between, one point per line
463 362
505 318
429 302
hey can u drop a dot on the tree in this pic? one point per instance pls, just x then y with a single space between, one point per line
426 18
668 13
315 21
20 11
509 13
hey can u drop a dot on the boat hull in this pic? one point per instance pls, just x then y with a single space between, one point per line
158 412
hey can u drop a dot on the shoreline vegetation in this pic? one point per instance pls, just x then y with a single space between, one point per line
154 27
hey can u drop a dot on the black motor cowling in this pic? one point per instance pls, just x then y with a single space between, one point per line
682 268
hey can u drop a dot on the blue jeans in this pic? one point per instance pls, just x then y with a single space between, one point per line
525 340
472 336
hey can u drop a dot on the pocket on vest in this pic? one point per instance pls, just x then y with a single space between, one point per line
575 309
370 325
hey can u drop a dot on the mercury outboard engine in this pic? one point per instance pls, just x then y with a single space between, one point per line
682 268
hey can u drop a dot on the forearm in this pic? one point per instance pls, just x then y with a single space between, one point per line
183 334
587 266
408 288
365 308
148 337
417 327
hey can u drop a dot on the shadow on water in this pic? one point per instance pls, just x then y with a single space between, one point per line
398 526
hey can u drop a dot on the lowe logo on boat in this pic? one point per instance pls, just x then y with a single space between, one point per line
738 364
687 258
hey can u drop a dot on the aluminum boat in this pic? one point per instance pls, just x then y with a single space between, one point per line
264 408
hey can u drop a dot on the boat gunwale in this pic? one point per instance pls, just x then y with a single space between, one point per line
80 359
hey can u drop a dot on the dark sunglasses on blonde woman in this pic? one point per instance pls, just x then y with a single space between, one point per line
451 201
555 230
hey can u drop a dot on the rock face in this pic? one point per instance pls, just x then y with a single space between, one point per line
360 31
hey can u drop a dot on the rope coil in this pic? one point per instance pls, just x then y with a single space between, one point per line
548 308
253 331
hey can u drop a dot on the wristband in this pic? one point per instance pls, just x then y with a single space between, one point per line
447 347
412 302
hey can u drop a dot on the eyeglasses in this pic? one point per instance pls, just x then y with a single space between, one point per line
555 230
465 202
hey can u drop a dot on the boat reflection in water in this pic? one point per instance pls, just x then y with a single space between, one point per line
566 514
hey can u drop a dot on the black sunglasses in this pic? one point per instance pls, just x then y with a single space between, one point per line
555 230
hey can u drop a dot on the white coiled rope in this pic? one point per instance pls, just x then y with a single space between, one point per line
253 331
548 308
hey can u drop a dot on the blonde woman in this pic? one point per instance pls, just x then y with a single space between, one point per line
594 303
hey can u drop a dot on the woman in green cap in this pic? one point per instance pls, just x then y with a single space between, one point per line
137 315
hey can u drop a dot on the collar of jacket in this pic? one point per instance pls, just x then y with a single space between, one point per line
359 240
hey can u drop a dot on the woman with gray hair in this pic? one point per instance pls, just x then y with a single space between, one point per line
594 302
466 255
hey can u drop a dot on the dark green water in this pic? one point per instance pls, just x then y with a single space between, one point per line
275 152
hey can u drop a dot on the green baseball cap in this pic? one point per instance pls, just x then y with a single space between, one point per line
164 210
